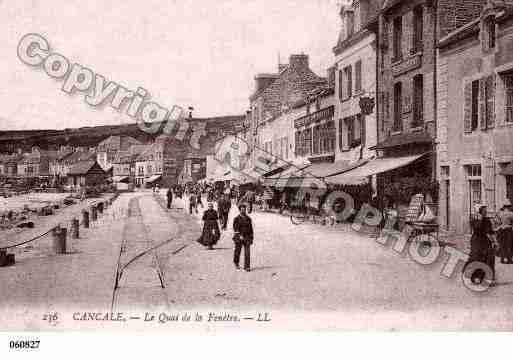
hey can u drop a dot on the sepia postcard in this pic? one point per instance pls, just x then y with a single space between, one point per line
255 165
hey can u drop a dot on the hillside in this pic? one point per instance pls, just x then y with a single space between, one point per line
90 136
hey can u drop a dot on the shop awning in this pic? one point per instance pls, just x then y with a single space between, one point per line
311 175
360 174
403 139
153 178
276 170
120 179
508 170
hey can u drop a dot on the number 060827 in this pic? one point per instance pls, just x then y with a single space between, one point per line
24 344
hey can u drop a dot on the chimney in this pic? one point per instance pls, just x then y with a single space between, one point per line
264 80
299 61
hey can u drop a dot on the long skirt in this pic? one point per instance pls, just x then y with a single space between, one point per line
211 234
505 239
481 250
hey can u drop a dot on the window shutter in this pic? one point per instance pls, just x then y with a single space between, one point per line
410 19
363 129
340 134
467 121
489 179
350 131
350 81
482 104
340 85
491 104
358 76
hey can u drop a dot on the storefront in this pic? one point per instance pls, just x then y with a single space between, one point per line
315 134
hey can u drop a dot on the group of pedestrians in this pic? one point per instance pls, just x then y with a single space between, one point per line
216 221
491 237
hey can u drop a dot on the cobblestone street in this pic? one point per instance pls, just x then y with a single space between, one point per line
304 276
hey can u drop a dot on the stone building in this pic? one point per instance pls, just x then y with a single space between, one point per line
406 90
124 166
36 163
475 116
86 174
61 164
355 71
275 94
109 147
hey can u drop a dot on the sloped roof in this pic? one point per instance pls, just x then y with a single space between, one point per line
80 156
82 167
118 142
39 155
305 75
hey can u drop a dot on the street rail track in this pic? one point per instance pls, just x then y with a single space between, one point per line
135 211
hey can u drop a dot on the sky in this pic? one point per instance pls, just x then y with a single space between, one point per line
196 53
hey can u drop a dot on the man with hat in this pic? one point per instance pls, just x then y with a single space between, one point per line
243 237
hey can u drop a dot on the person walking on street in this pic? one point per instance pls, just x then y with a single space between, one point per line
223 206
192 203
249 197
243 237
198 197
211 234
482 248
267 198
505 233
169 197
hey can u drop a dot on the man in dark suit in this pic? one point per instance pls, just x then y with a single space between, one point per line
223 207
169 197
243 237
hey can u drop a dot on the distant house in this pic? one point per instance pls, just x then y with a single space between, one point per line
61 165
36 163
86 174
149 164
124 165
3 165
10 165
160 163
108 149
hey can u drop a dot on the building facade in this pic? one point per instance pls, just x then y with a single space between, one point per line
108 149
475 114
36 163
355 73
274 95
407 33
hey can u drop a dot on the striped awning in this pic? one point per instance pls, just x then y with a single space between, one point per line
361 174
153 178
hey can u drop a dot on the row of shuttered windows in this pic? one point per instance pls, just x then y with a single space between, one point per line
479 109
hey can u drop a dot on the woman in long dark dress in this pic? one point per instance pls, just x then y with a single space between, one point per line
482 248
210 235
